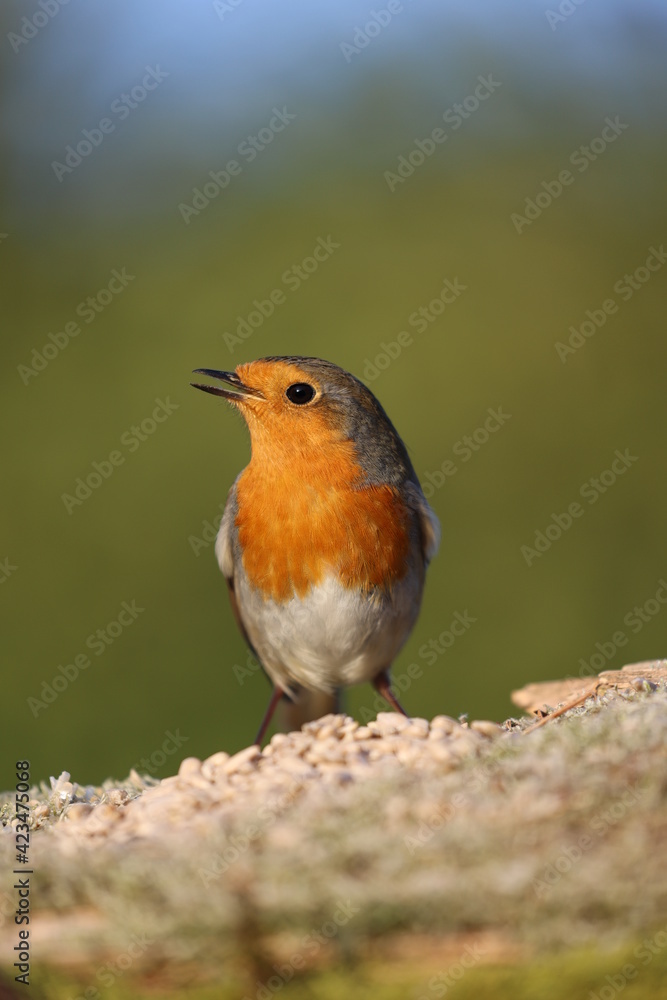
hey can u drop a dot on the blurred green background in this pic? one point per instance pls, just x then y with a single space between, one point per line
141 534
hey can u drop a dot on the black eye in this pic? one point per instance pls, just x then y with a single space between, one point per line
300 393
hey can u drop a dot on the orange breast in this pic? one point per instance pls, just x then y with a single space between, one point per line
298 523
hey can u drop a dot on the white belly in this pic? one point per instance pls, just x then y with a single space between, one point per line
331 637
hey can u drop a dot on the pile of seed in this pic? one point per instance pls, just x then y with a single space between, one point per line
333 751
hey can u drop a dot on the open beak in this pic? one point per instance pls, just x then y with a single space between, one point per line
232 389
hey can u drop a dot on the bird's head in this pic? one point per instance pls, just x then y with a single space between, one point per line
307 406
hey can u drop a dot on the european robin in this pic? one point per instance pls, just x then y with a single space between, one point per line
326 533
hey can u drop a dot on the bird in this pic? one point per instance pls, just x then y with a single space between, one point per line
326 533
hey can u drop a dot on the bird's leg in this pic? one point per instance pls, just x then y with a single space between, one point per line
275 698
383 687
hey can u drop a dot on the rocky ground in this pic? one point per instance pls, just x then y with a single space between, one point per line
477 842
